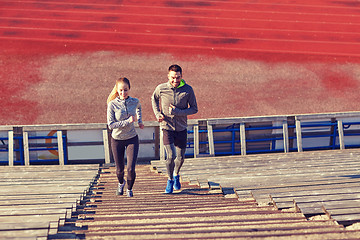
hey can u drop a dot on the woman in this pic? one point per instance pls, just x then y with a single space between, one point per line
122 112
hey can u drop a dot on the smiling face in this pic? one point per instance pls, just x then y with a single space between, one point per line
123 90
174 78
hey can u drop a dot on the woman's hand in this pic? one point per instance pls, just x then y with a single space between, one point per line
133 119
141 126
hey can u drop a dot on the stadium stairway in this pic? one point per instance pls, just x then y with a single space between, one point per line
192 213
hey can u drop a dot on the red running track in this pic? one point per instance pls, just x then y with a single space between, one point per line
210 25
32 32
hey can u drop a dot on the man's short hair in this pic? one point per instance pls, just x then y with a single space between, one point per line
175 68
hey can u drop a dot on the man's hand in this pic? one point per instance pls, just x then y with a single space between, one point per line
141 126
160 118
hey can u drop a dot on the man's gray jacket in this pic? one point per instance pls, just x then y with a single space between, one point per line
182 97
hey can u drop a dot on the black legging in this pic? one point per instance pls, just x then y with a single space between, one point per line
118 149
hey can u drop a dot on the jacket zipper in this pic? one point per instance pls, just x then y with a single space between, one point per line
174 105
127 112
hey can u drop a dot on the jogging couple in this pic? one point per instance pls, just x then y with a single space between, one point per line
172 102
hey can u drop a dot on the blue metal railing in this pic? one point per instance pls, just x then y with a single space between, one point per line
20 150
323 129
320 128
233 129
2 139
21 160
4 148
347 125
48 149
266 139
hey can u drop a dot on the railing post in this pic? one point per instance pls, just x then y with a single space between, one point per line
299 136
242 139
26 148
11 147
341 134
60 147
196 140
211 139
106 145
286 136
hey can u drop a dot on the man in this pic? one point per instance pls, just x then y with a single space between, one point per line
172 102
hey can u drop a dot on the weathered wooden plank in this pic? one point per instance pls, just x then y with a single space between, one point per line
281 167
12 202
312 203
13 228
254 185
64 180
65 168
327 115
50 190
41 176
351 203
23 226
283 162
41 196
214 121
274 191
56 185
321 195
343 219
311 210
39 206
80 126
286 164
26 212
33 218
6 128
56 208
320 198
262 196
49 127
343 211
25 234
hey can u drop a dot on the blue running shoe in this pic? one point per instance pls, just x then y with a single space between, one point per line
169 187
177 184
129 193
